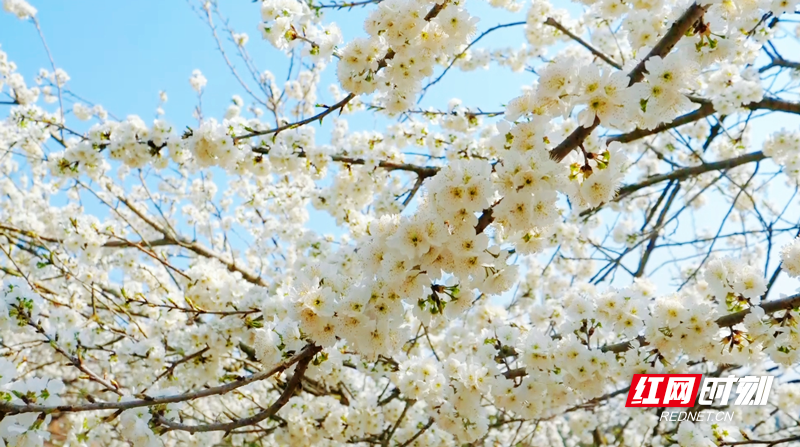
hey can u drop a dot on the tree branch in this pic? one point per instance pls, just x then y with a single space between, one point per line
305 355
651 245
684 173
458 56
270 411
706 109
338 106
607 59
662 48
432 13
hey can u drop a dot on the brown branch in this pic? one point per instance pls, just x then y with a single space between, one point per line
684 173
651 245
418 433
390 433
780 62
338 106
485 220
607 59
421 171
695 115
341 104
665 45
437 8
776 105
196 247
597 400
171 369
270 411
706 109
662 48
305 355
762 442
130 244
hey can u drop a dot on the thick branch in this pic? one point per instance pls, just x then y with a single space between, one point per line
684 173
662 48
706 109
422 171
270 411
305 355
695 115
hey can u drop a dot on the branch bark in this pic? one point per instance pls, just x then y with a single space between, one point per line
305 355
270 411
662 48
684 173
706 109
607 59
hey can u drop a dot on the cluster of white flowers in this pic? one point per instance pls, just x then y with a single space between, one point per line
782 147
691 435
30 430
20 306
730 277
198 81
606 95
537 33
133 425
406 39
289 23
790 258
22 9
729 88
19 90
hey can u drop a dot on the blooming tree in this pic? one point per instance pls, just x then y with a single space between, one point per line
496 277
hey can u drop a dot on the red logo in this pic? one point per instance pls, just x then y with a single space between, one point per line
663 390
